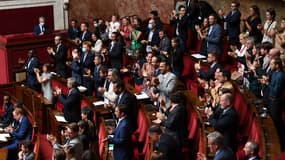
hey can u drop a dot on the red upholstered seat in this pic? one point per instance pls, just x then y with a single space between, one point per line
241 107
188 70
101 135
197 48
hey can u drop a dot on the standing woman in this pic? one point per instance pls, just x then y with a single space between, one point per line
252 24
125 31
269 26
202 33
45 80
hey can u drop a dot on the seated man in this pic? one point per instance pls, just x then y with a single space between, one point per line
72 139
165 143
22 131
6 117
217 147
71 102
251 149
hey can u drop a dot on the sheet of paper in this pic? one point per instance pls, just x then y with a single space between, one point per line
82 88
5 135
198 56
142 95
98 103
3 139
60 119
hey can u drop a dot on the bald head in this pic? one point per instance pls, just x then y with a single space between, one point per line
273 53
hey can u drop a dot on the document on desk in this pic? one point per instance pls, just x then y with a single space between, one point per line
141 95
60 118
4 136
82 88
198 56
98 103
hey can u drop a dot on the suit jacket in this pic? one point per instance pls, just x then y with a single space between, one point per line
233 24
88 63
122 140
60 60
210 74
7 117
76 72
73 32
168 146
227 124
176 61
72 105
276 85
129 100
181 27
31 64
23 130
85 36
224 153
214 39
164 45
155 37
37 29
29 156
115 54
176 123
167 85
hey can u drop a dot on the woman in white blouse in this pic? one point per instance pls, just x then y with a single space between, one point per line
269 26
97 43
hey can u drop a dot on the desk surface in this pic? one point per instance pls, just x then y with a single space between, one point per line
3 153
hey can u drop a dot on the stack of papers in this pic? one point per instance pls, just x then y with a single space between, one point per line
4 136
60 119
98 103
141 95
198 56
82 88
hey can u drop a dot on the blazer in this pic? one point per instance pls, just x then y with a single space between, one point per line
233 23
37 30
155 37
72 105
29 156
122 140
276 85
181 26
176 123
129 100
224 153
176 61
210 75
164 45
227 124
60 60
76 72
7 117
168 146
85 37
73 32
116 54
214 39
166 86
88 63
31 76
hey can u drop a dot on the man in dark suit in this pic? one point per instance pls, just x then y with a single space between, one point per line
6 117
176 57
122 135
225 120
251 149
180 22
115 51
127 99
217 147
164 143
175 118
85 34
41 28
154 15
23 131
233 23
30 65
71 102
86 65
164 44
151 37
59 55
210 74
214 38
73 30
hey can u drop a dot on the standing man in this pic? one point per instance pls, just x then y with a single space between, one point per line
6 115
115 51
73 30
30 65
41 28
233 23
71 102
180 22
122 135
214 38
59 55
85 33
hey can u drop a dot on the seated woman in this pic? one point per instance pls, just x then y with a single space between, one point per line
45 80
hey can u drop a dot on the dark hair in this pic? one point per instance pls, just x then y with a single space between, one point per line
86 24
99 57
83 125
120 84
272 12
226 73
27 144
180 7
103 69
88 112
74 20
7 95
58 154
88 155
236 3
154 13
73 127
255 9
278 61
177 97
155 129
266 46
122 108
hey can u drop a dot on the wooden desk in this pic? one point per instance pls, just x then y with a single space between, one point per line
3 153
